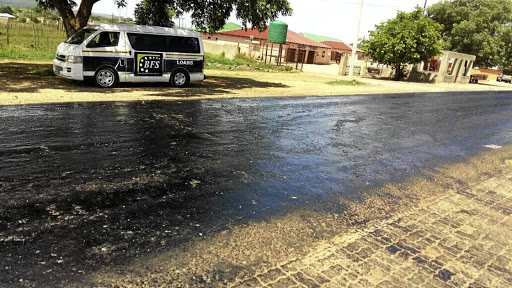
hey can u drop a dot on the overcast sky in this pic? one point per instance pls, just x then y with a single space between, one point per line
333 18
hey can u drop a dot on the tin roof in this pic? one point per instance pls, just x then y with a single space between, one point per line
292 37
319 38
6 15
230 26
337 45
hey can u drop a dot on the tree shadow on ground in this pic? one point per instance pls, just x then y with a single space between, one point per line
33 77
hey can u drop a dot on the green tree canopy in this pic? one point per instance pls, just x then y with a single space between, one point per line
73 22
211 15
6 9
477 27
154 12
408 38
505 53
208 15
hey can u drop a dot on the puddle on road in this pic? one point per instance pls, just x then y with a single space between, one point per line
92 185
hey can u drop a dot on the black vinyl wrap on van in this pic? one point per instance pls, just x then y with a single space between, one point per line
93 63
192 66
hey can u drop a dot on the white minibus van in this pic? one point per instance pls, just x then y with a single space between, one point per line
111 53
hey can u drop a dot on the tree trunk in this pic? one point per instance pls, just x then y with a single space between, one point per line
397 71
71 22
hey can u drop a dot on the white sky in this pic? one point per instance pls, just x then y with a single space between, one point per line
333 18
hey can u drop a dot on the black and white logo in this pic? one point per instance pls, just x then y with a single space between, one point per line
148 64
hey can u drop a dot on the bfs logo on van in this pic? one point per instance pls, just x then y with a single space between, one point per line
148 64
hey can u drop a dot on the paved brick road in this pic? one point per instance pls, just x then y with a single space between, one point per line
462 239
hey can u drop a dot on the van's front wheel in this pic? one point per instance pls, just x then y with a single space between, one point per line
106 78
180 78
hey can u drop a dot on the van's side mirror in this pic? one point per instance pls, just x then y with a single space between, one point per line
91 44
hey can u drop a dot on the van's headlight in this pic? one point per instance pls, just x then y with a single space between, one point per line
75 59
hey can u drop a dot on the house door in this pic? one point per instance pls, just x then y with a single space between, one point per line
290 55
302 56
311 57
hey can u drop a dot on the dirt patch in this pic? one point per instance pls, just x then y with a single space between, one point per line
244 251
34 83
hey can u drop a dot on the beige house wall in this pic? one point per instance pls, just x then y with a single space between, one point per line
257 48
231 49
4 20
491 74
455 68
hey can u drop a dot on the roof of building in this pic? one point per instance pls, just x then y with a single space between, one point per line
338 45
291 37
230 26
6 15
319 38
227 27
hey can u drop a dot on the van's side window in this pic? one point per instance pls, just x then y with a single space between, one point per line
104 39
145 42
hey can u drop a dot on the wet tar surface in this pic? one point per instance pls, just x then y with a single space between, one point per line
85 186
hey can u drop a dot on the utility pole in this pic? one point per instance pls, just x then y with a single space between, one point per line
356 40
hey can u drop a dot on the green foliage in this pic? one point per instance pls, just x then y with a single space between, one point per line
346 83
6 9
505 53
240 62
408 38
476 27
211 15
154 12
35 42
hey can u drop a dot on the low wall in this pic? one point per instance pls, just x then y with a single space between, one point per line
422 76
229 49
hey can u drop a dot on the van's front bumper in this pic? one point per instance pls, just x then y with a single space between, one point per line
68 70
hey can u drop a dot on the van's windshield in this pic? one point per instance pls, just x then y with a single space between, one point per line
80 36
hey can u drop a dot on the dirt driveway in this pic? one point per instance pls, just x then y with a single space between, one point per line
34 83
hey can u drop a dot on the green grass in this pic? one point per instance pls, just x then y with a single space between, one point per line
346 83
38 42
240 62
34 42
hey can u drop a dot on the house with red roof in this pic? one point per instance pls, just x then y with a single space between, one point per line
297 49
339 48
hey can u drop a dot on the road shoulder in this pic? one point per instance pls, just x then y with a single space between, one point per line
450 228
34 83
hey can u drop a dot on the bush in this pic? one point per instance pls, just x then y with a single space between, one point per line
6 9
240 62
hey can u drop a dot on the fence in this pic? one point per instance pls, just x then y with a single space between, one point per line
30 41
31 34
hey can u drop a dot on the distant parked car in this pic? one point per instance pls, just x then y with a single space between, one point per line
504 78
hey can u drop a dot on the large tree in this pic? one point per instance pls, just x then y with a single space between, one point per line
211 15
208 15
73 22
505 56
477 27
408 38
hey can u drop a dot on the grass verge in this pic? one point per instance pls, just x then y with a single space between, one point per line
346 83
241 62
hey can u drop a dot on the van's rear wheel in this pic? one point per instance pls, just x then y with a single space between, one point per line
106 78
180 78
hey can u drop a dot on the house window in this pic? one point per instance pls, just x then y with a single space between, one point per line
466 68
451 65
